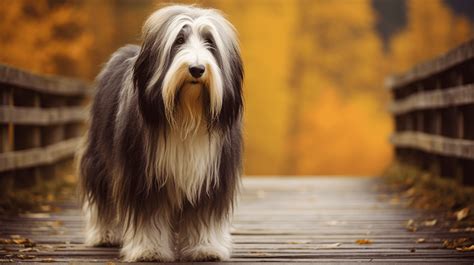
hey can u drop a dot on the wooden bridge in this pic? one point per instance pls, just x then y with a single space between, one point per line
278 219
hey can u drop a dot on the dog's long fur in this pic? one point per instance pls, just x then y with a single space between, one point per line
161 162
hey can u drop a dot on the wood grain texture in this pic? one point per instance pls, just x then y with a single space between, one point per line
278 220
450 59
38 156
36 116
42 83
456 96
435 144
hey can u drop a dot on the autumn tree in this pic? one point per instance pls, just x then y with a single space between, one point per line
45 36
338 59
314 69
432 29
265 32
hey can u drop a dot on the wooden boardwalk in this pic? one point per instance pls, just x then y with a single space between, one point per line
277 220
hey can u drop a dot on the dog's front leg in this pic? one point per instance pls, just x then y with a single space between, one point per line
101 229
150 240
203 236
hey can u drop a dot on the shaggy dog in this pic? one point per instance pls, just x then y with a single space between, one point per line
161 162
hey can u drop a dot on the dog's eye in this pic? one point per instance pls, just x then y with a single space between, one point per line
179 40
210 41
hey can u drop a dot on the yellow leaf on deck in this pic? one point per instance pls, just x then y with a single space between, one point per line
411 226
430 222
420 240
462 214
466 249
363 241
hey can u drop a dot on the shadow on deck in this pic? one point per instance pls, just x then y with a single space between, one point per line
277 220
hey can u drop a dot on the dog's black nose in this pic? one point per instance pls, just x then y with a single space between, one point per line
197 70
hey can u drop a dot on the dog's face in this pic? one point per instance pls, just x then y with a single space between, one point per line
189 71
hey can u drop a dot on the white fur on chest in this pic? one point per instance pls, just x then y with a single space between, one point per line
188 165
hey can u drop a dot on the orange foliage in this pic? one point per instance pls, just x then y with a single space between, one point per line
44 37
432 30
337 86
343 136
265 32
314 97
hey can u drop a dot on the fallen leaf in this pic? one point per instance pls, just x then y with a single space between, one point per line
465 249
50 197
55 224
36 215
452 244
22 256
410 192
420 240
45 208
47 247
20 241
462 214
465 229
430 223
411 226
29 250
47 260
363 241
395 201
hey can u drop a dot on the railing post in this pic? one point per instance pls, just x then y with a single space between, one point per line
27 137
435 120
436 129
467 126
420 127
7 139
52 134
40 121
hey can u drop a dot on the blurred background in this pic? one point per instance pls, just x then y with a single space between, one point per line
314 85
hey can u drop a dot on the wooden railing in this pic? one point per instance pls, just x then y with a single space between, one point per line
41 119
433 108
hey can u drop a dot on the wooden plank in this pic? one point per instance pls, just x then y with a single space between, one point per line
38 156
310 231
434 144
42 83
35 116
456 96
452 58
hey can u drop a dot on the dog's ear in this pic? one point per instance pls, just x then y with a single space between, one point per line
144 66
232 103
150 100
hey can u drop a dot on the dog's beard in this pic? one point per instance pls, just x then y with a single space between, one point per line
190 104
189 117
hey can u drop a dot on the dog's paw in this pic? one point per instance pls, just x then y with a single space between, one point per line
105 239
205 253
146 254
